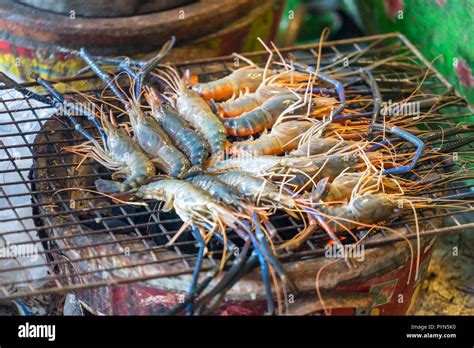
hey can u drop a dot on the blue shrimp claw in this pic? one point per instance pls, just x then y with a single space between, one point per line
65 106
8 82
420 147
197 269
335 83
374 125
102 74
148 67
265 276
269 254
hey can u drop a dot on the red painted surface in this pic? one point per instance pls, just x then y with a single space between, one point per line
24 52
464 73
392 7
140 299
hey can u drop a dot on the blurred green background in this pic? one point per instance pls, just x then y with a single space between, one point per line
443 30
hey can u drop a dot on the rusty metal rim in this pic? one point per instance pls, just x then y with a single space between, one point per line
89 76
135 34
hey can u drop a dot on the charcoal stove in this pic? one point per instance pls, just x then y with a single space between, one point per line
118 259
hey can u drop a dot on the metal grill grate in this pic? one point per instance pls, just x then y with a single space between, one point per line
68 232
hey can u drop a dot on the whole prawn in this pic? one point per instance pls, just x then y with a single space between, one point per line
258 190
156 143
120 154
245 79
220 190
342 187
362 209
248 101
192 204
198 113
186 139
367 209
300 172
282 138
263 116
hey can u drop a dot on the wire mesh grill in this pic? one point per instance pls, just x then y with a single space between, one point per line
80 240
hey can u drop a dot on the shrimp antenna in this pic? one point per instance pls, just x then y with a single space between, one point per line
269 60
245 59
277 51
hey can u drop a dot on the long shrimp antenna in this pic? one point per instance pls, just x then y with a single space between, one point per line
277 51
245 59
269 60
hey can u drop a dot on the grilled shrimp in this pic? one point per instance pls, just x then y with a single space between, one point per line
234 107
259 165
198 113
296 171
156 143
262 117
278 83
315 146
220 190
191 203
246 79
367 209
258 190
122 155
364 209
282 138
341 188
187 140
